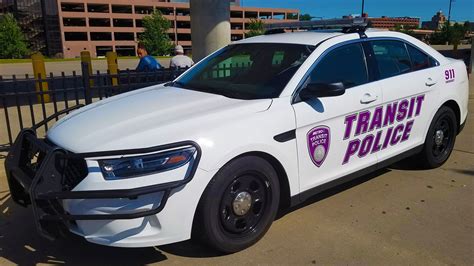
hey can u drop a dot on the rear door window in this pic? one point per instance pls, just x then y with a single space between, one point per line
392 58
419 59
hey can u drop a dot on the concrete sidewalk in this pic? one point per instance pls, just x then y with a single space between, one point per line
20 69
398 216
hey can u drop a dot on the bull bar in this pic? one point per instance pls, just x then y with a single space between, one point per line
42 174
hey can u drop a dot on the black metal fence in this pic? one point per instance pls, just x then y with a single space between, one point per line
28 101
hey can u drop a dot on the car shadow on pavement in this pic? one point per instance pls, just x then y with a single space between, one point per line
20 244
333 191
464 172
408 165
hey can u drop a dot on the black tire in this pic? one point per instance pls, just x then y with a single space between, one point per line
438 148
217 222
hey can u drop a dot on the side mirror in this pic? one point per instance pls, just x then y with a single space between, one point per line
318 90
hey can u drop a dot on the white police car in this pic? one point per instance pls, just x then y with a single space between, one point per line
257 126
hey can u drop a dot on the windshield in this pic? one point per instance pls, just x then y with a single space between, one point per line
247 71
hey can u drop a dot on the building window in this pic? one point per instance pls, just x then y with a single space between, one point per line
138 23
97 8
143 10
183 24
236 26
184 37
75 36
125 50
101 36
99 22
182 12
72 7
123 22
74 22
102 50
122 9
277 15
265 15
236 14
251 14
124 36
166 11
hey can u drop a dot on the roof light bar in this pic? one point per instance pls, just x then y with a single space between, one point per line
347 25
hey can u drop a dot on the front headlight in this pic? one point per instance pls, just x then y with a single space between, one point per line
128 167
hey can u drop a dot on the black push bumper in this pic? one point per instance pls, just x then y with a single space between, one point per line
43 175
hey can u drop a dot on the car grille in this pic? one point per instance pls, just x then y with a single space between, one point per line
72 170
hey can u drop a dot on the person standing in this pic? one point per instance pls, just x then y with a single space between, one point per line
180 60
147 62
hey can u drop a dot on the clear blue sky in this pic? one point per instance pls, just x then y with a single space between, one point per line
462 10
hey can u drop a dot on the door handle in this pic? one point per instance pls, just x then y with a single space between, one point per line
368 98
430 82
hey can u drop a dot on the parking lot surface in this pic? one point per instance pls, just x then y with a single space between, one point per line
399 215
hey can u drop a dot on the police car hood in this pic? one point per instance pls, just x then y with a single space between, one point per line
148 117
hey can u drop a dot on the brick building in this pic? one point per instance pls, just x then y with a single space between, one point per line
436 23
385 22
393 22
67 27
114 25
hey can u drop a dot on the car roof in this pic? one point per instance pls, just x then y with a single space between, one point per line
303 37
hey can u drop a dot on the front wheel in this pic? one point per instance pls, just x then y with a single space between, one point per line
439 142
239 205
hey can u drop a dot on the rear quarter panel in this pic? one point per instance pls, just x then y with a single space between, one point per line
454 85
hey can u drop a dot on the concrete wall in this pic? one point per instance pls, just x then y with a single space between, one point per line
210 26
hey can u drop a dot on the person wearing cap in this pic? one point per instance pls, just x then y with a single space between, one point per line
147 62
180 60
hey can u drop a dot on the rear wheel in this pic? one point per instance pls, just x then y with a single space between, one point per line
239 205
439 142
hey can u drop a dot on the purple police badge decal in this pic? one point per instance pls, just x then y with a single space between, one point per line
319 139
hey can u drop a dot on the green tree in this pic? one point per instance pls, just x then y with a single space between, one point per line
305 17
256 27
12 40
457 33
407 29
450 34
155 36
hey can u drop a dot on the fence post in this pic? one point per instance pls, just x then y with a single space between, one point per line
86 58
86 82
472 55
112 66
39 71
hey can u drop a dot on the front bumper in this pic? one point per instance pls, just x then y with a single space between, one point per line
44 175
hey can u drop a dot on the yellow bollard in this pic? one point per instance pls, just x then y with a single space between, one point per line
112 66
86 58
39 70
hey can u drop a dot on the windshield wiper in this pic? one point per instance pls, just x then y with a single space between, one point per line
223 92
174 84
